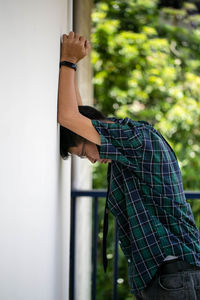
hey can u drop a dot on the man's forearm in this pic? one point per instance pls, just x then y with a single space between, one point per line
67 99
78 96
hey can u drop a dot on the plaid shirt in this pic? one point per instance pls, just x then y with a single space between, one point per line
146 196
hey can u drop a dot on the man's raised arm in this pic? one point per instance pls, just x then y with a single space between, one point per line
74 48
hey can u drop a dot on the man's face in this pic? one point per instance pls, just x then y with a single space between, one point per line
88 150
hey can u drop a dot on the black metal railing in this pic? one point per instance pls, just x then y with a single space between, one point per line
95 194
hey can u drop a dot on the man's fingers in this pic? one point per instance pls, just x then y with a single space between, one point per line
82 39
87 44
64 37
71 35
76 36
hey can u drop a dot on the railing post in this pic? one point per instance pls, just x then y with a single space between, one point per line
94 248
72 248
115 295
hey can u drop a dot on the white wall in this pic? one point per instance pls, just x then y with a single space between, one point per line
34 215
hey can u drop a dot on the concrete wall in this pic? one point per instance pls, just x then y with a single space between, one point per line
82 177
35 183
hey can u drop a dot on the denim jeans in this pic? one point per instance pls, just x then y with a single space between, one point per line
181 285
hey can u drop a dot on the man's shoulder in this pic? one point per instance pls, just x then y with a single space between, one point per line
129 121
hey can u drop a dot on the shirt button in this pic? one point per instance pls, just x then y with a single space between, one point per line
129 260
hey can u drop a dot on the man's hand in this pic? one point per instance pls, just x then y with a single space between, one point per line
74 47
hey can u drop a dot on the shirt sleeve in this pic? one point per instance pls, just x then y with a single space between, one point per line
119 142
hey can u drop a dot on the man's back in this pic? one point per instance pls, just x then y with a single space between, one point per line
147 198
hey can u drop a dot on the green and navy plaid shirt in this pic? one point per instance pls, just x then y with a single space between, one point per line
146 196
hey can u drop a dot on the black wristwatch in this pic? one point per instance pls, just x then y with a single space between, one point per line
68 64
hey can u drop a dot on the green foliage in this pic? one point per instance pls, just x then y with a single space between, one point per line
146 64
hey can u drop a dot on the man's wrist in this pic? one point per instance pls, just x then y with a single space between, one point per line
70 59
68 64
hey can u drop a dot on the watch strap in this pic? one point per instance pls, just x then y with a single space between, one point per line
68 64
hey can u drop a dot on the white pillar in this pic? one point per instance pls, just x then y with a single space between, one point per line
82 176
83 246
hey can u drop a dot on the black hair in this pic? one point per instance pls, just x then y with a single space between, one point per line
70 139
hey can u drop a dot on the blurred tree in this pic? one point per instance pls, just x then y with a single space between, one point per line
146 63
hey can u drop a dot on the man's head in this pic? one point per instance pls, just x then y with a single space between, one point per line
72 143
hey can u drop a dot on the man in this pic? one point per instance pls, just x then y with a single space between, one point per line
157 232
